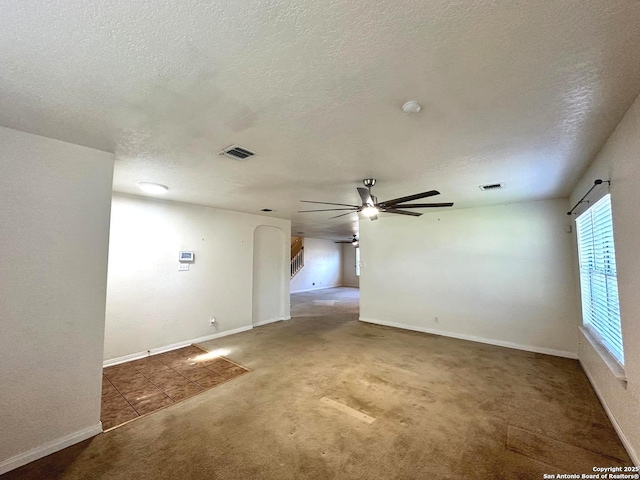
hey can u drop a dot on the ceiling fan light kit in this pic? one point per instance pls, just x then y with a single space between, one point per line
371 207
370 211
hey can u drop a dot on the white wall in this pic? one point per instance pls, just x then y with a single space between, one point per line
322 266
349 277
150 304
501 274
269 278
619 161
54 215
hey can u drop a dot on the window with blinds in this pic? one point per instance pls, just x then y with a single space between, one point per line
598 281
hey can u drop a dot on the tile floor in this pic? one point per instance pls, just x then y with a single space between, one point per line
133 389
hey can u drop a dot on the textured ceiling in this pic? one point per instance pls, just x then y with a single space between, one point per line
518 92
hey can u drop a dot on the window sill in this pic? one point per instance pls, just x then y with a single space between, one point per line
616 369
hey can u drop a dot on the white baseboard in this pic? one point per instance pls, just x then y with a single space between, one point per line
49 448
314 289
173 346
632 453
350 286
472 338
271 320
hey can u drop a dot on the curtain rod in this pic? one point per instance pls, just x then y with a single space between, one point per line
582 200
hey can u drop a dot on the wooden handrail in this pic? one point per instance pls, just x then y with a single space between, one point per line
296 245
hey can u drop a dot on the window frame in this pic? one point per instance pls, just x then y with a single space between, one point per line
599 281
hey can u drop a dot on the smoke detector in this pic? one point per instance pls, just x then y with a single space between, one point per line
411 107
236 152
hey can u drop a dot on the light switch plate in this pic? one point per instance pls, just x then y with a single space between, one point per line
183 267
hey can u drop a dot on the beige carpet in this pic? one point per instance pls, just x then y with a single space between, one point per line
330 397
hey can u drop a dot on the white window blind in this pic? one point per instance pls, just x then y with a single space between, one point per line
598 280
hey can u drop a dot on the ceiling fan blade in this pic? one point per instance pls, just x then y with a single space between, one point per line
365 196
344 241
417 196
328 210
423 205
348 213
402 212
329 203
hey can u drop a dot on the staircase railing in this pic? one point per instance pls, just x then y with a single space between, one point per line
297 262
296 245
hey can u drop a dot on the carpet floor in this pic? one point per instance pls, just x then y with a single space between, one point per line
333 398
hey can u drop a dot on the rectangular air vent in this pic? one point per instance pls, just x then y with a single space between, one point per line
492 186
236 152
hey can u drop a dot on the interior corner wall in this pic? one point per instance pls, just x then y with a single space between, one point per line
55 199
502 275
322 266
349 277
150 304
619 162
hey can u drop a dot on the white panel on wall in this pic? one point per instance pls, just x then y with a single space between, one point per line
322 266
150 304
54 210
501 274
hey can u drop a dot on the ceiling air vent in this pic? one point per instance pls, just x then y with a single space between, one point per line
236 152
492 186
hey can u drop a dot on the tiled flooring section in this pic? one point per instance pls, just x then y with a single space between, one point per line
134 389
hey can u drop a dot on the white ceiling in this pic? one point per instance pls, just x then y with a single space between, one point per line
518 92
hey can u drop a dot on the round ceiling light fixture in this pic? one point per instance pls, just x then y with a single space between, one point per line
149 187
411 107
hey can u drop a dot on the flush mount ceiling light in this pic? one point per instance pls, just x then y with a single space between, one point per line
411 107
152 187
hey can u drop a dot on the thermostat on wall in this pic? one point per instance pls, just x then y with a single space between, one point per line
186 257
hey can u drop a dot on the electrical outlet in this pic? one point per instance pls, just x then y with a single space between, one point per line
212 322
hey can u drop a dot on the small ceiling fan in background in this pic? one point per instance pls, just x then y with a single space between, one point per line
354 241
371 207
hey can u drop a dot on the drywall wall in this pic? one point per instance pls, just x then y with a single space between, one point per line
322 266
54 211
501 274
150 304
619 161
269 279
349 277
